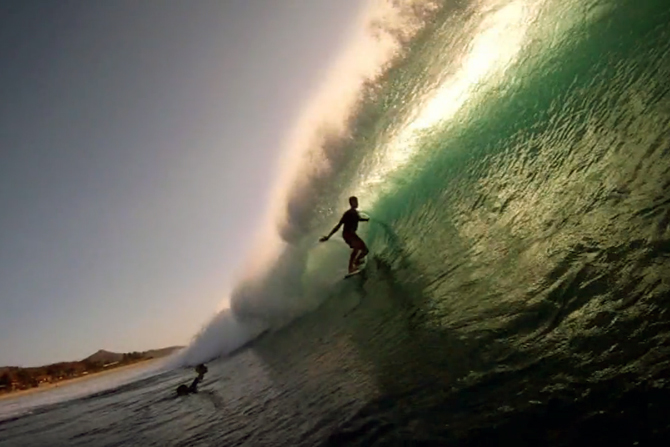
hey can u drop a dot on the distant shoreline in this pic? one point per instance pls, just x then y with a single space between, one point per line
67 382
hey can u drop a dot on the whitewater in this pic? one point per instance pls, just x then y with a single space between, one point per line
514 158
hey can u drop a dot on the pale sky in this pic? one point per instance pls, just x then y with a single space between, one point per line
138 142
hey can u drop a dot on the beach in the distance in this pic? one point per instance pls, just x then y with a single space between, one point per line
71 382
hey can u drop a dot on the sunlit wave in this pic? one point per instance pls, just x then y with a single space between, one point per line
497 41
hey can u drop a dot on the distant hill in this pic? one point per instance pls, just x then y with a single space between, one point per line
105 357
157 353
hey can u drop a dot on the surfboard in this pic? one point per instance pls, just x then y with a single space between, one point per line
359 270
354 273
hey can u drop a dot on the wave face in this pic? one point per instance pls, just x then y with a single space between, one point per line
513 157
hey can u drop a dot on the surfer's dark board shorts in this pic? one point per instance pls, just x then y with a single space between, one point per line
353 240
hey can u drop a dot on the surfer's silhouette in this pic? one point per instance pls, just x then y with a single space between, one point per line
183 390
350 221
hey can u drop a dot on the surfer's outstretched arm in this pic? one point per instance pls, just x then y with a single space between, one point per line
334 230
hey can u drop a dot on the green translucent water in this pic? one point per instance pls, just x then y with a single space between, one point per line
511 202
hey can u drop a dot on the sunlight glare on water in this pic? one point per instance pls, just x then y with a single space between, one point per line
494 47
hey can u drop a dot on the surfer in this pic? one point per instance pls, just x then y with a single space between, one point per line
350 221
183 390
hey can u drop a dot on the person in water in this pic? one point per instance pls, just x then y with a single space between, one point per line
350 221
183 390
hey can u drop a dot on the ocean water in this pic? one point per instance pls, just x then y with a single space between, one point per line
515 162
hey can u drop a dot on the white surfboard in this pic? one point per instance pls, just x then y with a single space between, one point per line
359 270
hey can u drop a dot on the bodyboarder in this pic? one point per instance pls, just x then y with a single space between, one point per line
183 390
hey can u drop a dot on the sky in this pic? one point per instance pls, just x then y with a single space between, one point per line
138 146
